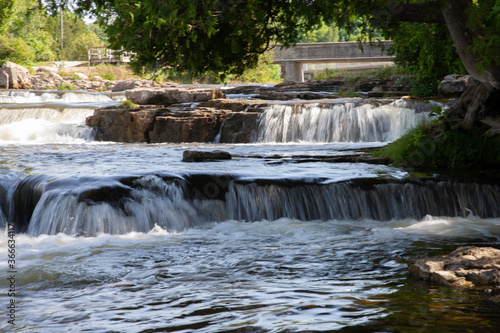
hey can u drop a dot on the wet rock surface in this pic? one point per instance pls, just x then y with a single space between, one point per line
172 95
205 156
176 126
466 267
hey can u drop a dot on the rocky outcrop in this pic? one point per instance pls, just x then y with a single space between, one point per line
14 76
454 85
136 83
239 127
123 125
286 96
169 96
238 105
205 156
179 123
199 125
466 267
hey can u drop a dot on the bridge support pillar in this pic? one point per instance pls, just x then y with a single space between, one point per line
292 71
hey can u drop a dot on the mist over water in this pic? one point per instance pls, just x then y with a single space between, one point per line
127 238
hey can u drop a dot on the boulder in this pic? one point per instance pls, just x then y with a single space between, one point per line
198 125
46 69
238 105
123 125
135 83
238 127
467 267
80 76
169 96
14 76
42 82
205 156
286 96
454 85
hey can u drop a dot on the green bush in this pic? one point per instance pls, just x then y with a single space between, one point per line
66 86
15 50
127 105
108 76
431 146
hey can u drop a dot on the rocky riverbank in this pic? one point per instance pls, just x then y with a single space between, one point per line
468 267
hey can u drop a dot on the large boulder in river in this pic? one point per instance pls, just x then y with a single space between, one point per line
467 267
123 125
199 125
14 76
169 96
454 85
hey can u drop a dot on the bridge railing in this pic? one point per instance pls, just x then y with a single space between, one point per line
293 58
100 54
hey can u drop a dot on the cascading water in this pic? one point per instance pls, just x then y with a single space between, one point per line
108 206
342 122
47 117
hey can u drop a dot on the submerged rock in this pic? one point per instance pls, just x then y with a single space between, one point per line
466 267
205 156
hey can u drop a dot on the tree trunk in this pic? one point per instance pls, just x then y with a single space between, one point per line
475 103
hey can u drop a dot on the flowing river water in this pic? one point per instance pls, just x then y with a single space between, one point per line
114 237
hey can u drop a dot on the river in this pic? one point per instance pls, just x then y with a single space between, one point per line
114 237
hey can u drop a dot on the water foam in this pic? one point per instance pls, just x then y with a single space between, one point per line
346 122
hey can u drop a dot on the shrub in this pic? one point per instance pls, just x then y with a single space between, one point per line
15 50
430 145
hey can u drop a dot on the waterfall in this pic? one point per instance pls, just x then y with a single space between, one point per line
343 122
30 97
47 117
91 207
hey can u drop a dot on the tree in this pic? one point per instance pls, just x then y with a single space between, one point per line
6 11
226 36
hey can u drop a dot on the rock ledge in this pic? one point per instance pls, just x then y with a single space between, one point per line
466 267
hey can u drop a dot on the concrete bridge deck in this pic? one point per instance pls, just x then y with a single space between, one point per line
293 57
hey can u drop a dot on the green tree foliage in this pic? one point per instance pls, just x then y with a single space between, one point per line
30 35
6 10
29 24
485 21
227 36
216 36
427 50
77 36
15 50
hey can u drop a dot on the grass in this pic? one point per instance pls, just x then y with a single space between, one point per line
433 146
128 105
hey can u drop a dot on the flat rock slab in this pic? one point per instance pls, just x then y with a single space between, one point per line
205 156
466 267
169 96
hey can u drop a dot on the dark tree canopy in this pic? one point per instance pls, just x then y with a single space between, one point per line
227 36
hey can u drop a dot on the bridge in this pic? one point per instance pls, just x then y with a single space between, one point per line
100 54
294 57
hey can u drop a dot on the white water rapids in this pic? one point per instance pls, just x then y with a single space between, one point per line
47 117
